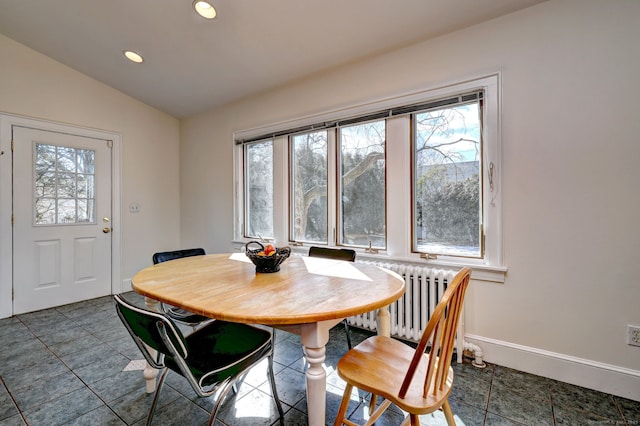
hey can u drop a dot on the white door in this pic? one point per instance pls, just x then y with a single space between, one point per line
62 218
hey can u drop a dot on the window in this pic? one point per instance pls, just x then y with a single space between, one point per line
447 166
258 189
64 185
309 187
412 176
362 185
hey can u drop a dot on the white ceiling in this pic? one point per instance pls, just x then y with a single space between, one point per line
192 64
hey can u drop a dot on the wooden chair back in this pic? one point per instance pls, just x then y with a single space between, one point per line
441 333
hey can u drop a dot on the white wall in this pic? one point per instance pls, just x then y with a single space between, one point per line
34 85
570 131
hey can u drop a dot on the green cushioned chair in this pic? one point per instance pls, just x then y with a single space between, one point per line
212 358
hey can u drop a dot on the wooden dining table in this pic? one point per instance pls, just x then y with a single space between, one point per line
308 296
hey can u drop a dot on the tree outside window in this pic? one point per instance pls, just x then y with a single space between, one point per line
362 201
309 187
447 185
259 189
64 185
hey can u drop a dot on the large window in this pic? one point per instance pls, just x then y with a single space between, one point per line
416 176
447 172
362 185
309 187
258 189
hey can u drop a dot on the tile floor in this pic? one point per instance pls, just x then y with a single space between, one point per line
68 366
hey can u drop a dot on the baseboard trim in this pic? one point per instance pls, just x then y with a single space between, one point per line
619 381
126 285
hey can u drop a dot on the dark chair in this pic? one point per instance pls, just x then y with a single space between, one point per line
212 358
331 253
338 254
179 314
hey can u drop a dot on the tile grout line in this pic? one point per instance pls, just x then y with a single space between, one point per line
86 385
15 404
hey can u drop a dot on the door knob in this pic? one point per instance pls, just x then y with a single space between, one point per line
106 229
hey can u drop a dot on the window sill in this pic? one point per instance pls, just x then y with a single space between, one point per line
480 272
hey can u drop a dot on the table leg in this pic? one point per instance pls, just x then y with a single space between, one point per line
383 322
149 372
384 329
314 340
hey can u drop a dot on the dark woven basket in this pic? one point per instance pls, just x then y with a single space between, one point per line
266 263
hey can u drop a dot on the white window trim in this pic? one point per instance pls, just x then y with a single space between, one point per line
490 268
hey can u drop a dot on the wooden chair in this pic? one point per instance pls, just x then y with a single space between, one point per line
212 359
386 367
338 254
178 314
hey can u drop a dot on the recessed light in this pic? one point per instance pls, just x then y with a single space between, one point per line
204 9
133 56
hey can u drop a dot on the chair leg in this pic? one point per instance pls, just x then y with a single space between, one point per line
378 412
155 397
276 398
343 405
411 419
448 414
221 397
372 403
348 331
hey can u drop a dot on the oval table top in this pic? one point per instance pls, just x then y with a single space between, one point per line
305 290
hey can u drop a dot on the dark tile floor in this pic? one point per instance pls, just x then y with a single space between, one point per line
72 365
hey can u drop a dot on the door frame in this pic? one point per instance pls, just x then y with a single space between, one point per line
7 121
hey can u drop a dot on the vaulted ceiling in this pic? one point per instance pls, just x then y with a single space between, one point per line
192 64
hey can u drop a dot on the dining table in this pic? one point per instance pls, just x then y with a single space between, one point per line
307 296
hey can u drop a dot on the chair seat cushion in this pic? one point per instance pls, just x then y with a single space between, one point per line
222 349
379 365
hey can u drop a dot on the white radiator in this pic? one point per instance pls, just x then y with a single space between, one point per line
410 314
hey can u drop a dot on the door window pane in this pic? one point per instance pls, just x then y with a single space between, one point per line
66 159
62 194
45 211
66 211
447 186
45 184
85 186
86 161
259 189
45 158
66 185
362 185
309 187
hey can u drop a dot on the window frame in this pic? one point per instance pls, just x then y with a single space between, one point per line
477 99
339 187
329 171
398 177
245 195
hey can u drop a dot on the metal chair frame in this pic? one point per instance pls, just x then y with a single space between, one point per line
173 344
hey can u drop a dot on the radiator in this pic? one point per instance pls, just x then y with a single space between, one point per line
410 314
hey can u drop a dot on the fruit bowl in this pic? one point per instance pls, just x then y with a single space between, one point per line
266 258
